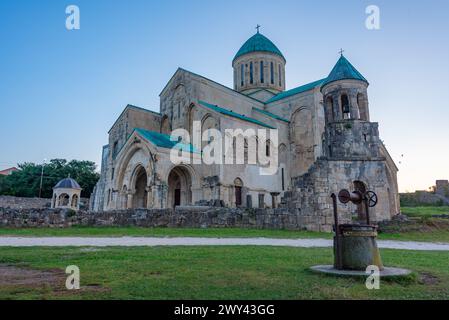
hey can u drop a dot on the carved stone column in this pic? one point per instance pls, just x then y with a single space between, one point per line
129 203
149 191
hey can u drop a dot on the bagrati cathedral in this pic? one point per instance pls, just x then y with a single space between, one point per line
326 143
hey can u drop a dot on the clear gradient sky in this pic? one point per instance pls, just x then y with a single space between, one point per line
60 90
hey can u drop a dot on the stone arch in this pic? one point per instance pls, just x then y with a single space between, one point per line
302 140
208 122
139 185
75 200
238 192
63 200
345 105
132 156
181 180
330 114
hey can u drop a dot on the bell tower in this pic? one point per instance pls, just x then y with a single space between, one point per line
349 132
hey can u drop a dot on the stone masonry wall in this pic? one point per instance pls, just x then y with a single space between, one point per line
23 203
32 203
195 217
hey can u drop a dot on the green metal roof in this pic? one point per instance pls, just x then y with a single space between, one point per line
343 70
296 90
164 140
272 115
258 42
234 114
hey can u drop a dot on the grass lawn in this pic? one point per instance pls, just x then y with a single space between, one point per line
215 273
162 232
434 236
424 211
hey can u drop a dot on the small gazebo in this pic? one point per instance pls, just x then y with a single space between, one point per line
66 194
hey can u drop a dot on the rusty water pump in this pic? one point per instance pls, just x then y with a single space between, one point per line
355 246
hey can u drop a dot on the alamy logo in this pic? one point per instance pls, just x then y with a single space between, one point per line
73 280
372 22
236 147
373 280
72 21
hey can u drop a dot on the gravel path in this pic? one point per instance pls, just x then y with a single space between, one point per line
151 242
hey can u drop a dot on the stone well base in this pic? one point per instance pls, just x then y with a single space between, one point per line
386 272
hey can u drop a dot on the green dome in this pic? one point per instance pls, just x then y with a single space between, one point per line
258 42
343 70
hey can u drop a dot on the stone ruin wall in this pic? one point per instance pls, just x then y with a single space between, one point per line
11 202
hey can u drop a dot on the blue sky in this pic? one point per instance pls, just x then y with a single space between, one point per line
60 90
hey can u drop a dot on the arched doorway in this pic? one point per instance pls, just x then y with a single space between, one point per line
238 185
179 187
64 199
361 213
74 201
140 195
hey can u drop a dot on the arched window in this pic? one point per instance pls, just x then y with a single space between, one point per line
280 75
74 201
209 123
245 152
330 109
242 74
238 184
64 200
345 107
272 72
267 148
251 77
283 179
261 72
114 149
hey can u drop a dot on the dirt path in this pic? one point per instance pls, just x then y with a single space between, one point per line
184 241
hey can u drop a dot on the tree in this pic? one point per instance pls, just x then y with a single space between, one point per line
26 181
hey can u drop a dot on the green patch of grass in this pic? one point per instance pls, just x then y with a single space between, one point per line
220 273
161 232
424 211
433 236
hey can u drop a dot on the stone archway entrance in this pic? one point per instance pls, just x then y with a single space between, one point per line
179 187
141 191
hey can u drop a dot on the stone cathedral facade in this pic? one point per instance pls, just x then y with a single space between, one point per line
326 143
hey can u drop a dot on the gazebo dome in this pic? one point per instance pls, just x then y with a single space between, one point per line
67 183
66 194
